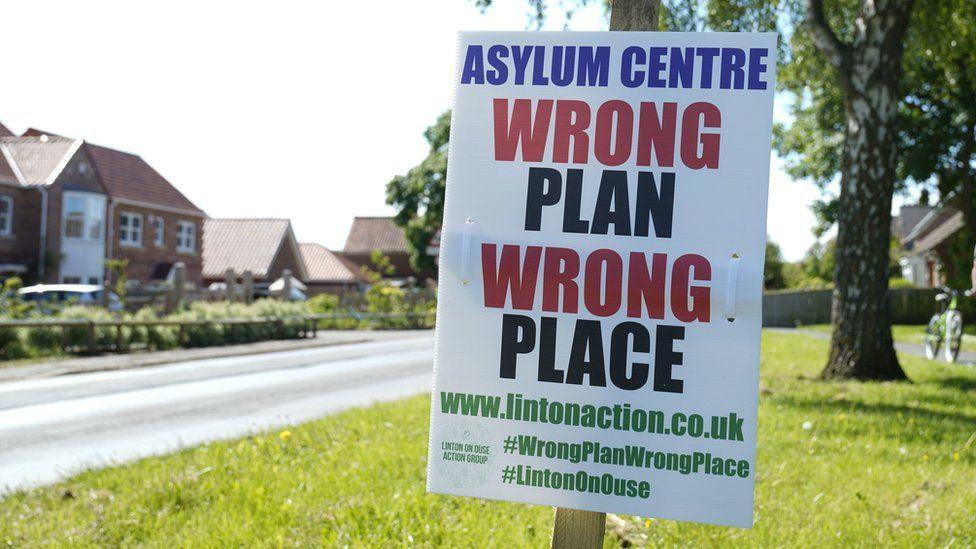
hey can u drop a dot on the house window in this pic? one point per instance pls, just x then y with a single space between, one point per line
6 215
158 235
74 216
130 229
83 216
186 236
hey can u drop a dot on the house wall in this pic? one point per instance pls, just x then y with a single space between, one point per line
77 175
21 246
287 258
144 257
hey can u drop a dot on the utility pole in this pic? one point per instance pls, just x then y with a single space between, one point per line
573 528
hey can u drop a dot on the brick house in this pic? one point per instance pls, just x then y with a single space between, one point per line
926 245
266 247
67 205
327 272
369 234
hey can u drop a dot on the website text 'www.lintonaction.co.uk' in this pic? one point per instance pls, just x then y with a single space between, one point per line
617 417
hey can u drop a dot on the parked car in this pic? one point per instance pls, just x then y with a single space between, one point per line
68 294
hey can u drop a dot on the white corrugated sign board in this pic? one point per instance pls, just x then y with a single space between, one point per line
601 272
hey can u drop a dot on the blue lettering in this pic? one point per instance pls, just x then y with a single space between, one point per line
521 56
681 68
707 57
630 77
733 76
539 67
594 66
756 67
474 67
563 60
655 65
500 73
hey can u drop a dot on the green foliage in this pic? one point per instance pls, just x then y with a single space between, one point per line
323 304
11 305
418 196
899 283
44 341
773 275
938 138
118 269
381 297
839 464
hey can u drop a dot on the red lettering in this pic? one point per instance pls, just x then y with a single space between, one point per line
691 136
531 132
657 134
572 120
690 303
507 275
622 138
561 269
645 287
609 284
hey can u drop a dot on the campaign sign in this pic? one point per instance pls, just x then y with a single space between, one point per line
601 272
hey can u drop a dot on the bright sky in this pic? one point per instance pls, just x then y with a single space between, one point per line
294 111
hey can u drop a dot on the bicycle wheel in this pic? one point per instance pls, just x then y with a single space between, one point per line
933 337
953 335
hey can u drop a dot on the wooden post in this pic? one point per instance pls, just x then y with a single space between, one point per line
230 280
179 281
92 341
247 281
286 290
572 528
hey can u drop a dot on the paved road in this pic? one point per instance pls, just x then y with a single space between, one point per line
52 427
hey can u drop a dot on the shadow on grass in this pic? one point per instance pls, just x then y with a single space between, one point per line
947 421
958 383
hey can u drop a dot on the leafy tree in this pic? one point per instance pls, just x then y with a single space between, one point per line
938 139
418 196
118 269
773 274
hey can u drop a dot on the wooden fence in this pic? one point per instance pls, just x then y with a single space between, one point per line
788 308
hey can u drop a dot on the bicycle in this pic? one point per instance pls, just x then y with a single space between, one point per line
946 325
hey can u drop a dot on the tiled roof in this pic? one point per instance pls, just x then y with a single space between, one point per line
374 233
908 218
34 132
38 158
127 176
4 132
943 224
242 245
6 172
324 266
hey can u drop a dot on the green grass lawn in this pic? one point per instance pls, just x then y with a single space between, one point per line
841 464
909 333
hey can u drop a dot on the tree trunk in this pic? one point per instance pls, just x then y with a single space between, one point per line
869 69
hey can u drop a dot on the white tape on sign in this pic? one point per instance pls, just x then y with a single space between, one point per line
466 252
731 288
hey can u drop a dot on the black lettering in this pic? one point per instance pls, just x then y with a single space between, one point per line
518 337
665 358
